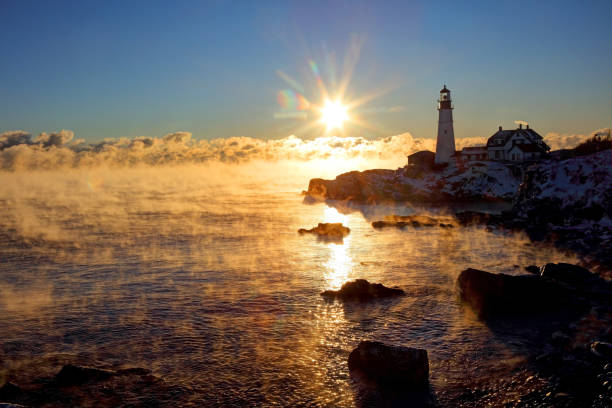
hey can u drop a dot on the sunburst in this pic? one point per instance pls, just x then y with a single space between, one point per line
337 113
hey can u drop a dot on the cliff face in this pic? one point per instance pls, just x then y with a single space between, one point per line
483 181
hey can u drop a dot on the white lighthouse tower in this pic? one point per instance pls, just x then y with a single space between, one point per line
445 144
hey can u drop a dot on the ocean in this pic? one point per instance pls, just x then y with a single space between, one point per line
198 274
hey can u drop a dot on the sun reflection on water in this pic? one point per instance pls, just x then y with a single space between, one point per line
339 265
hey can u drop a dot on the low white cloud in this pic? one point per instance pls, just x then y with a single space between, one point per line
57 150
558 141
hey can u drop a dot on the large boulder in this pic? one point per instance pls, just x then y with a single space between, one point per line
491 294
404 366
361 289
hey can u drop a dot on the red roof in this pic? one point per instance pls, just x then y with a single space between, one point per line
444 90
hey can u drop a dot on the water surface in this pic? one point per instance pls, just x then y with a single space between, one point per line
202 277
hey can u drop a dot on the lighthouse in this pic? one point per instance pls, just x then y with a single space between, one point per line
445 144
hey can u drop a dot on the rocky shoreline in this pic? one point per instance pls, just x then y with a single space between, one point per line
566 202
572 367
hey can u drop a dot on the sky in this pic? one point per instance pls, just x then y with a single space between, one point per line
237 68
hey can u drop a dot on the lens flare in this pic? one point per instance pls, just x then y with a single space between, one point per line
289 100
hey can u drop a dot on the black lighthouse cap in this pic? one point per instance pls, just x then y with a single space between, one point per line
444 90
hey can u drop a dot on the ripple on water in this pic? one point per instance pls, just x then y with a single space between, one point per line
224 298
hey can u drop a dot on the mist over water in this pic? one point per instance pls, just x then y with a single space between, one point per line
197 272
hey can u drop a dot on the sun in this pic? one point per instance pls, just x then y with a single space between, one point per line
333 114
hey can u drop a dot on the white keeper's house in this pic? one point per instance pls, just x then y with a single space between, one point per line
515 145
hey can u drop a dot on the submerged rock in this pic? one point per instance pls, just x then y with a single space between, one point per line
416 221
491 294
134 371
363 290
404 366
75 375
332 230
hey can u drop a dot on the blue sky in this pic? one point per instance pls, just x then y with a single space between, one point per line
131 68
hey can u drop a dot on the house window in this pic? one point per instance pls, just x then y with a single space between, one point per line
497 154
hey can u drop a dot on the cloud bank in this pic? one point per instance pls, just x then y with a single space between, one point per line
59 150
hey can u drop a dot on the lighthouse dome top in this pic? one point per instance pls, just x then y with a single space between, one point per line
444 90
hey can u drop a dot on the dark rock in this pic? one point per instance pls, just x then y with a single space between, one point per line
382 224
76 375
573 275
9 391
401 221
473 217
405 366
533 269
585 283
333 230
362 290
492 294
366 186
560 338
602 349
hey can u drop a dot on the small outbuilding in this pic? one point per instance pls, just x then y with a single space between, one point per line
424 158
474 153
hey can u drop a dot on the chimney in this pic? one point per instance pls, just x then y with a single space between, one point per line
500 128
520 125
